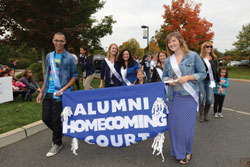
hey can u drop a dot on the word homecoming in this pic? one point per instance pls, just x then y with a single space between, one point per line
115 122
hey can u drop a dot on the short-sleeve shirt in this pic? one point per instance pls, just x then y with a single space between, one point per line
58 58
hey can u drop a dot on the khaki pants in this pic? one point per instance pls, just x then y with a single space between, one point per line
88 81
83 77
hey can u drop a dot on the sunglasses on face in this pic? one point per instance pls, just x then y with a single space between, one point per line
57 41
209 46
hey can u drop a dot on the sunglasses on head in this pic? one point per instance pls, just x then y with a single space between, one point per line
209 46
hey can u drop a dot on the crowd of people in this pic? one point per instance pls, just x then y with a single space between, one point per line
190 81
24 86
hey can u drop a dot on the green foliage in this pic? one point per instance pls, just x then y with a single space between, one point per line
17 113
35 22
242 45
218 53
239 72
4 53
133 46
23 63
37 71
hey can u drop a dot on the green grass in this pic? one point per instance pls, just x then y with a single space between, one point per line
239 72
17 113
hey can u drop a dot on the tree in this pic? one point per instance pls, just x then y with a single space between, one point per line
183 16
242 45
35 22
133 46
153 47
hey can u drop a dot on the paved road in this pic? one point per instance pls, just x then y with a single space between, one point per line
218 143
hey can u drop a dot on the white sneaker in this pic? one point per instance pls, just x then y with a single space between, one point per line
220 115
216 115
54 150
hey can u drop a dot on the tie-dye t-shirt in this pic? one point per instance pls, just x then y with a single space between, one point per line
58 58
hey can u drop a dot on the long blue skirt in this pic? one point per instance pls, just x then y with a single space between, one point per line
181 124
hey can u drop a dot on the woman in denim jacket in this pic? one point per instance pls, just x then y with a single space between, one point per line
182 70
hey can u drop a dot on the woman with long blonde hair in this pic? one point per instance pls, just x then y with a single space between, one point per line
182 69
206 86
109 68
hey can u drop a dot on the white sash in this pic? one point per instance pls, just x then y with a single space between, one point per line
112 69
211 76
186 85
159 72
124 74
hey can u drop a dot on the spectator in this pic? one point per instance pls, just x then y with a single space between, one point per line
206 86
4 70
145 65
90 72
84 51
13 64
30 84
18 87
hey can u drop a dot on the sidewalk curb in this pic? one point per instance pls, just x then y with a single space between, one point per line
239 80
21 133
33 128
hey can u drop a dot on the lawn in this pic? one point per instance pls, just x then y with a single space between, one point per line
17 113
239 72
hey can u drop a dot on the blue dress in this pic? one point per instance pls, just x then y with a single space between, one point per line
131 74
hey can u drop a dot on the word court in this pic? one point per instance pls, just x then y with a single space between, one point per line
115 121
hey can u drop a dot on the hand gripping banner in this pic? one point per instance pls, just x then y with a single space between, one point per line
118 116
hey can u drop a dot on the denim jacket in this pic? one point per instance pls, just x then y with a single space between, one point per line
67 70
191 64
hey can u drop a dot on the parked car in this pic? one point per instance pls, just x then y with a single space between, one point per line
233 63
244 63
98 61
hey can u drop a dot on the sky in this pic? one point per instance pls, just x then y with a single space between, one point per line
227 16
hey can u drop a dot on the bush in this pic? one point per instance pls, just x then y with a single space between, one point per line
37 71
23 63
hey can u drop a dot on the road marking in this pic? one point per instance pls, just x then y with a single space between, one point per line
240 112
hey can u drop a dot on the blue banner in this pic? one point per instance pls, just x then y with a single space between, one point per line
118 116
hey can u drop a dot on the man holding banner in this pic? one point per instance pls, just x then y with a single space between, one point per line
61 73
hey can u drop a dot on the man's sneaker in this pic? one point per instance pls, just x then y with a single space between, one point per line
220 115
54 150
216 115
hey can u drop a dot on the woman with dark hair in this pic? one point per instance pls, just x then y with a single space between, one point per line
182 70
84 51
158 70
145 65
109 68
90 72
30 84
128 67
206 86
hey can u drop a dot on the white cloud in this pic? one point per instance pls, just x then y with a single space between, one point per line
227 17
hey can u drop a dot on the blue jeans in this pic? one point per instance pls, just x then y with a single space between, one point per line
205 91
